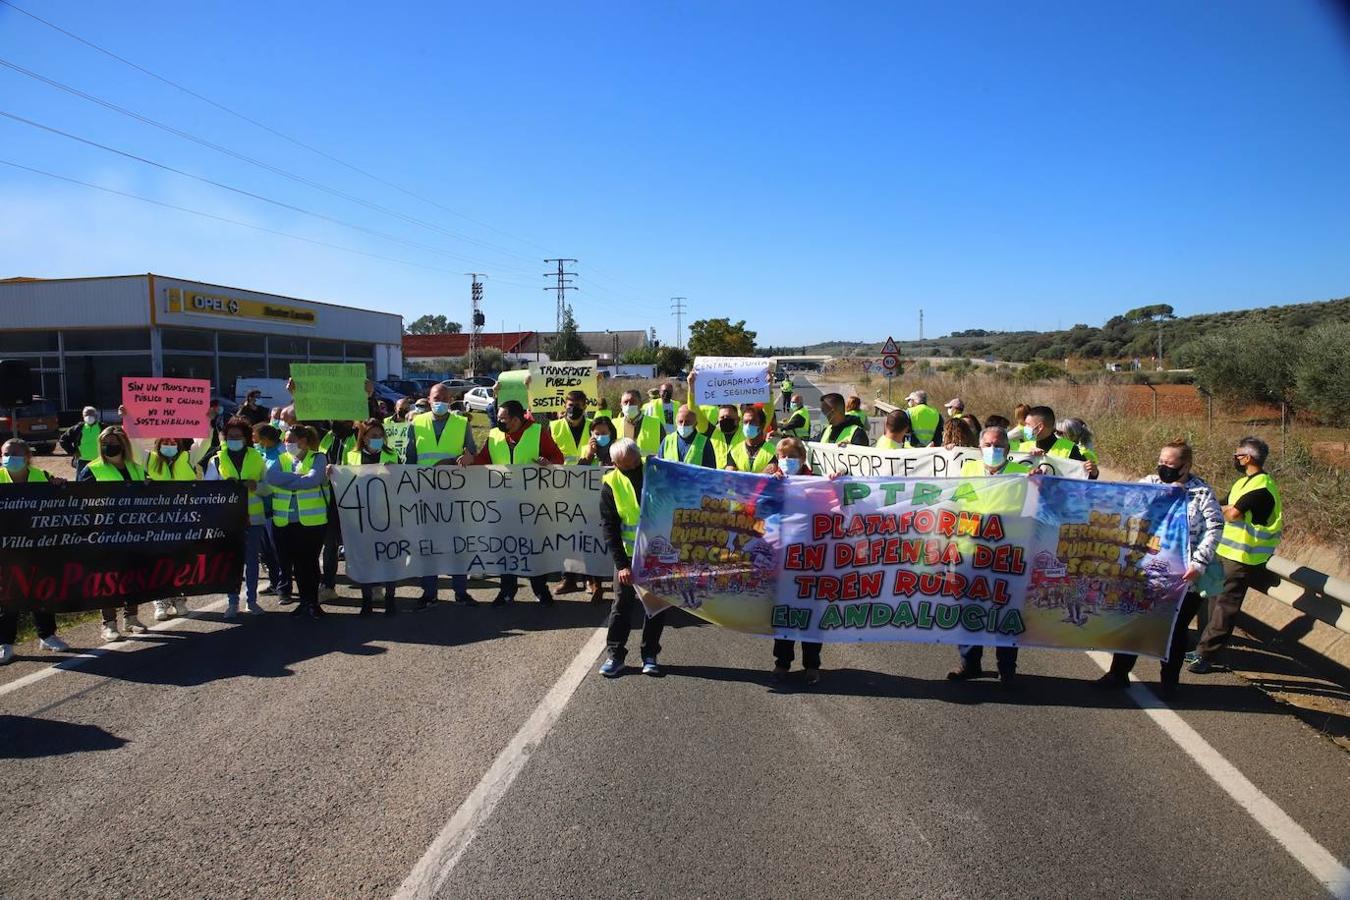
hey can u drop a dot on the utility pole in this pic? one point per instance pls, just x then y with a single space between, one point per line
920 353
562 287
677 310
476 320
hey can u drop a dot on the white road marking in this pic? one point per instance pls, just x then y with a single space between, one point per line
434 868
76 660
1319 862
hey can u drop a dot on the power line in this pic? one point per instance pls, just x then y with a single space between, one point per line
225 219
677 310
562 287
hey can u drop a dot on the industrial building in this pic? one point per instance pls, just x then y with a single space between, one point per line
82 335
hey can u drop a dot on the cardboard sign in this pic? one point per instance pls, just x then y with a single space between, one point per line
335 391
720 380
551 382
166 407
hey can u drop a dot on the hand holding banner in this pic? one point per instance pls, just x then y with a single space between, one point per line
166 407
551 382
720 380
325 391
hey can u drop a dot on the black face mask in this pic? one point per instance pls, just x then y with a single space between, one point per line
113 450
1169 474
1239 464
728 426
573 412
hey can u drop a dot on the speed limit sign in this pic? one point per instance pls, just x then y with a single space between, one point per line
890 363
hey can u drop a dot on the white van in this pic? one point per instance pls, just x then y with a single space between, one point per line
273 391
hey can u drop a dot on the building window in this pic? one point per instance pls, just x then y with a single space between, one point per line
242 343
27 341
97 380
184 365
180 339
326 349
279 367
290 349
360 352
233 367
103 339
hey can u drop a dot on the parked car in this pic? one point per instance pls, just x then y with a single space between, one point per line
387 393
424 385
478 399
458 387
35 422
405 387
486 381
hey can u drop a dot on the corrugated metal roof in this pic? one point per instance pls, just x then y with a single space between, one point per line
432 346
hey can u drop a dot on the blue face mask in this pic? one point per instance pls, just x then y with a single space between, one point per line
234 445
169 451
790 466
602 440
15 463
752 431
272 452
795 405
440 408
995 456
375 444
686 431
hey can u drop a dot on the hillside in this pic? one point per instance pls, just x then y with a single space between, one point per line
1131 334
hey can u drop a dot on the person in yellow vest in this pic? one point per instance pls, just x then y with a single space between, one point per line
853 409
1076 430
662 407
645 430
993 461
1253 524
685 444
755 453
81 441
239 461
620 496
114 463
518 442
956 407
333 444
798 422
300 512
16 468
440 437
572 432
1041 438
370 447
790 461
839 429
726 434
785 391
596 453
925 423
897 431
169 461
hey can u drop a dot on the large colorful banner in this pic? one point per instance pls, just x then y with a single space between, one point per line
1033 561
926 462
410 521
93 544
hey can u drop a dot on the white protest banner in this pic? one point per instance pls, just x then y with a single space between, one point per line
925 462
409 521
551 382
731 379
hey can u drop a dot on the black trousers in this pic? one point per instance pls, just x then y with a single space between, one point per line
1223 609
332 539
538 584
300 545
783 650
110 612
621 624
1123 663
45 623
973 655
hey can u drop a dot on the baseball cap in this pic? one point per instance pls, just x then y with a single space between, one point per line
918 396
954 403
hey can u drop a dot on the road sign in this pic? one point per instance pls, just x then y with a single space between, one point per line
890 362
890 349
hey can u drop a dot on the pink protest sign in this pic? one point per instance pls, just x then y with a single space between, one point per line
166 407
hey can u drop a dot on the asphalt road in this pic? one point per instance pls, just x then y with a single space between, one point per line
278 757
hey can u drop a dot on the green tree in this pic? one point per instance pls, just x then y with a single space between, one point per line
432 325
490 359
718 337
1252 363
639 356
671 360
1040 370
568 345
1322 376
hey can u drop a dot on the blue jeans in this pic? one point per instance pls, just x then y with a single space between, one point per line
253 536
458 583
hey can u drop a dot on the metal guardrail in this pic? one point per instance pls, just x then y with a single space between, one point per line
1313 593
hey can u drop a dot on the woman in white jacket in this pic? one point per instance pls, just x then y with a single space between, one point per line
1206 525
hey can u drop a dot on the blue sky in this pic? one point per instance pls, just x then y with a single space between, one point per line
820 170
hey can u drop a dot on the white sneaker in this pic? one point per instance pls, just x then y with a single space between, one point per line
110 632
180 607
133 625
6 654
231 610
162 613
54 644
327 594
254 608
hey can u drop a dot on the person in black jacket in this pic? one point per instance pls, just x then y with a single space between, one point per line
627 465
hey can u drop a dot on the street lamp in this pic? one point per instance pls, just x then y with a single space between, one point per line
614 357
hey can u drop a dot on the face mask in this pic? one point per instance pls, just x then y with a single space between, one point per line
293 449
234 445
375 444
573 412
278 424
727 425
630 411
112 450
1238 464
602 440
90 420
752 431
686 431
272 452
666 400
15 463
795 405
995 456
790 466
1168 474
169 451
440 408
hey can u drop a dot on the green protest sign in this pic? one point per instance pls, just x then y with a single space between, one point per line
334 391
511 386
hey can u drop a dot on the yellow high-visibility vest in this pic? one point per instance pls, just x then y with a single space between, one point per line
451 443
525 452
107 472
311 504
1244 541
254 469
626 501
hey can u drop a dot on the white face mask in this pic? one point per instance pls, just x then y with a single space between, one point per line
631 410
91 420
293 449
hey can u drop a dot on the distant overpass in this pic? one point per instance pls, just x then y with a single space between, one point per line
800 362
